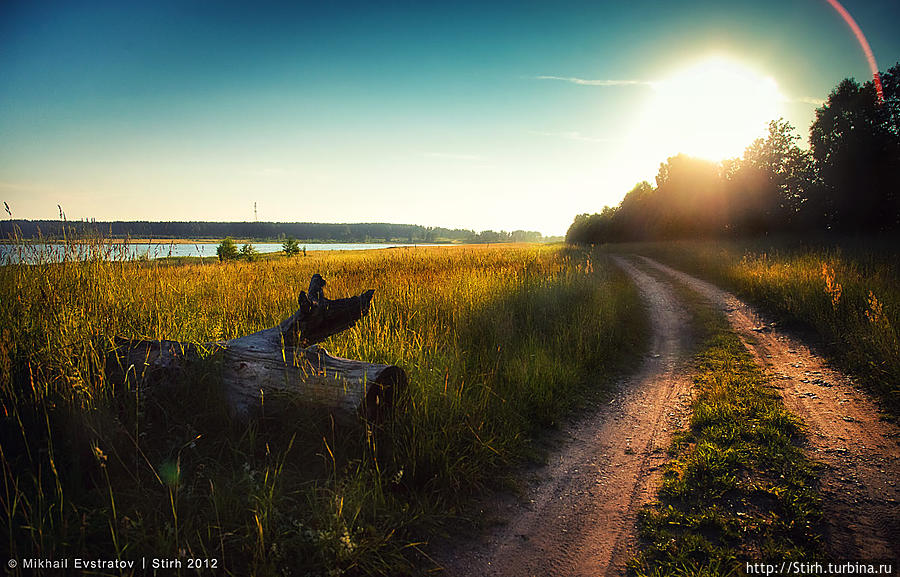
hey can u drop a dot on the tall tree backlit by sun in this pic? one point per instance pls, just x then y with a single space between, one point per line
846 182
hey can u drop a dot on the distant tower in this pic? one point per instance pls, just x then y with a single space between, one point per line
255 217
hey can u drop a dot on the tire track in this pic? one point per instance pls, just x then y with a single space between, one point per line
860 451
578 519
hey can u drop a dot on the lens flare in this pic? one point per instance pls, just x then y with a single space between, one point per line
861 38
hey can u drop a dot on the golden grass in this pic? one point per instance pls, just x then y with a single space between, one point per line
497 342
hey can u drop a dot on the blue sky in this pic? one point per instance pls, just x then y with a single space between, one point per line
441 114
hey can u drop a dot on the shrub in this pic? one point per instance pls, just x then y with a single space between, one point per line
249 253
227 250
291 247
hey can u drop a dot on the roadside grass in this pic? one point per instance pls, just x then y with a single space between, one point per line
847 292
498 343
738 487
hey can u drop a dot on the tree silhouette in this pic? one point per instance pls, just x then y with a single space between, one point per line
768 186
849 181
689 198
856 147
635 216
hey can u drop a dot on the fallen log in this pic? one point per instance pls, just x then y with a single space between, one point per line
283 359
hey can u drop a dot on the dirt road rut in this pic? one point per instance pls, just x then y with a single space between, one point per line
579 516
859 450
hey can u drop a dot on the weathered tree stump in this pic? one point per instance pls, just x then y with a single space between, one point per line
283 359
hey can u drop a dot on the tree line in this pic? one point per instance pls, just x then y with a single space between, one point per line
307 232
848 181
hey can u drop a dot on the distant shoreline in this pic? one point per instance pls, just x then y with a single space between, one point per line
200 232
165 241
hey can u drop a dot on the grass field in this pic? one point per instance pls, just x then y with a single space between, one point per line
848 293
738 486
497 342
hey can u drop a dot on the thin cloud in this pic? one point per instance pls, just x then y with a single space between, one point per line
575 135
453 156
593 82
808 100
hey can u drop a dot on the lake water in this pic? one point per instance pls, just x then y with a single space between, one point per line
44 252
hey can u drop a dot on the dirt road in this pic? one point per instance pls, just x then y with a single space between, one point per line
860 452
578 516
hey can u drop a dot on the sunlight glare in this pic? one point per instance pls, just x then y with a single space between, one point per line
713 110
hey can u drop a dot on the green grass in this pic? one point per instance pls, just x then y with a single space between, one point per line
738 486
848 293
498 343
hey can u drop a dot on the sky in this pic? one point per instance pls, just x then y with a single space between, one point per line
500 115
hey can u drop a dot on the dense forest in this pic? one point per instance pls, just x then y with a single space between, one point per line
302 231
847 182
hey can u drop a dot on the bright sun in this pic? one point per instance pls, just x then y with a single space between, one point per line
713 110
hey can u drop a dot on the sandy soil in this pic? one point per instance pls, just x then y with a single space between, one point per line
861 453
578 516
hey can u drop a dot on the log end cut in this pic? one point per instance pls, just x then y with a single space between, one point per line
383 393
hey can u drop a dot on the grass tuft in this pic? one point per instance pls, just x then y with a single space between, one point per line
738 486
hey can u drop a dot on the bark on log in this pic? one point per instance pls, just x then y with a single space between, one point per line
281 359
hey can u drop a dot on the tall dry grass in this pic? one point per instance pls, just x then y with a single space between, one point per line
497 342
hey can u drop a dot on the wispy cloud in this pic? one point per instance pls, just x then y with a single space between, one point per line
807 100
454 156
575 135
595 82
